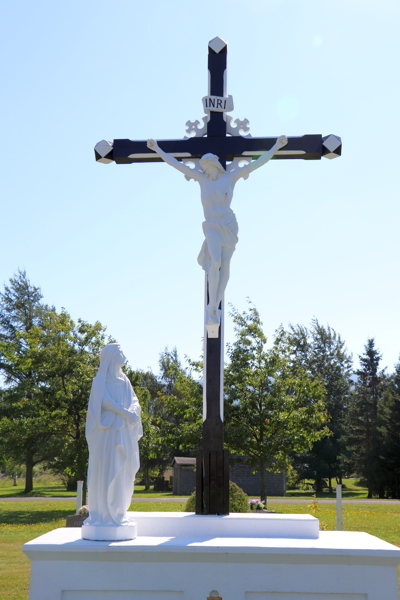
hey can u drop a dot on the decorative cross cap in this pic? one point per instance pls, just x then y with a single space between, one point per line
103 151
331 146
217 44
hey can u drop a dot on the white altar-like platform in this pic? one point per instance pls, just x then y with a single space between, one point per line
182 556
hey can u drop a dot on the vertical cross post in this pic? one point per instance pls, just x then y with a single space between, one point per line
212 461
217 72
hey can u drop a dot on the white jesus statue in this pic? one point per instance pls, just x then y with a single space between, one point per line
220 226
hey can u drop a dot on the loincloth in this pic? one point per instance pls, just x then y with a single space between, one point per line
222 232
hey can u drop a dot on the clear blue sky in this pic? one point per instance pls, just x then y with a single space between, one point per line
118 243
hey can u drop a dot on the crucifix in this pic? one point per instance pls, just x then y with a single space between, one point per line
216 154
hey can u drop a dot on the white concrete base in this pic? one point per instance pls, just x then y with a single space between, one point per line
333 566
110 533
235 525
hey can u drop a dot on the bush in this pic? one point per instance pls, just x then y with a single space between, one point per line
238 500
293 480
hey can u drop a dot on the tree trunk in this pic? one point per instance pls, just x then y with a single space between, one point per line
330 485
29 472
318 484
263 488
369 492
146 479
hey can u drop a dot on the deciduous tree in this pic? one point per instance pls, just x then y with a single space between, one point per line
271 412
322 353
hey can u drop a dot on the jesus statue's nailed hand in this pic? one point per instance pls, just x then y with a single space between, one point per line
282 141
152 144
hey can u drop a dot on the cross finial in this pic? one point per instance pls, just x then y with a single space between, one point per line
217 45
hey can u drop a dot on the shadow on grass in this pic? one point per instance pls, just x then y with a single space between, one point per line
151 493
24 517
360 483
55 491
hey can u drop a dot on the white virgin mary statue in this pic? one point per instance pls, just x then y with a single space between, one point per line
113 428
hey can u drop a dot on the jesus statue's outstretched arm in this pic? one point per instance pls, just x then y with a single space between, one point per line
170 160
256 164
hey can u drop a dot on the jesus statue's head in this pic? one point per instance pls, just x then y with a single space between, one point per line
211 165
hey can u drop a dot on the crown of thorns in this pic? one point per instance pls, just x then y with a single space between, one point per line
213 159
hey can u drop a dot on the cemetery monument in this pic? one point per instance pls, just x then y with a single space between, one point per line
217 150
211 554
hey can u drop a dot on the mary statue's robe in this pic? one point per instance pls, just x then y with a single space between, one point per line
113 448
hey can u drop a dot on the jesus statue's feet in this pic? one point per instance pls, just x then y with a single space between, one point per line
213 316
213 319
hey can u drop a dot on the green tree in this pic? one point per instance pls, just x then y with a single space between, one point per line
65 355
182 423
171 412
323 354
271 412
48 361
390 428
363 437
147 386
25 429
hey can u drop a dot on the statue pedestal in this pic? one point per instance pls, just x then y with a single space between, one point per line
110 533
186 557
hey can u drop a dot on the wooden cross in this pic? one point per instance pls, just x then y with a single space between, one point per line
230 142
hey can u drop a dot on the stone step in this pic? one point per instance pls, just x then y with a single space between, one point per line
235 525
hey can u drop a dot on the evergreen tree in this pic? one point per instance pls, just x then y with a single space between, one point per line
391 432
20 416
363 436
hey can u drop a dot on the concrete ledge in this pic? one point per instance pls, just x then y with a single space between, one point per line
334 566
346 544
235 525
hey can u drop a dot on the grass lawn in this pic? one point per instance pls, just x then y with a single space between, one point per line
43 486
23 521
351 489
379 520
49 486
52 487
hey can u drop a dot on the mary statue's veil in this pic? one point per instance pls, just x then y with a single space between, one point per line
93 419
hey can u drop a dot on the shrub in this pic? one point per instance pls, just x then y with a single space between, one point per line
237 500
293 480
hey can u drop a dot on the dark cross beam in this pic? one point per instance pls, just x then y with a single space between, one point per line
212 469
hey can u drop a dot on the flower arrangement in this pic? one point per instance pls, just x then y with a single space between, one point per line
84 510
256 504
